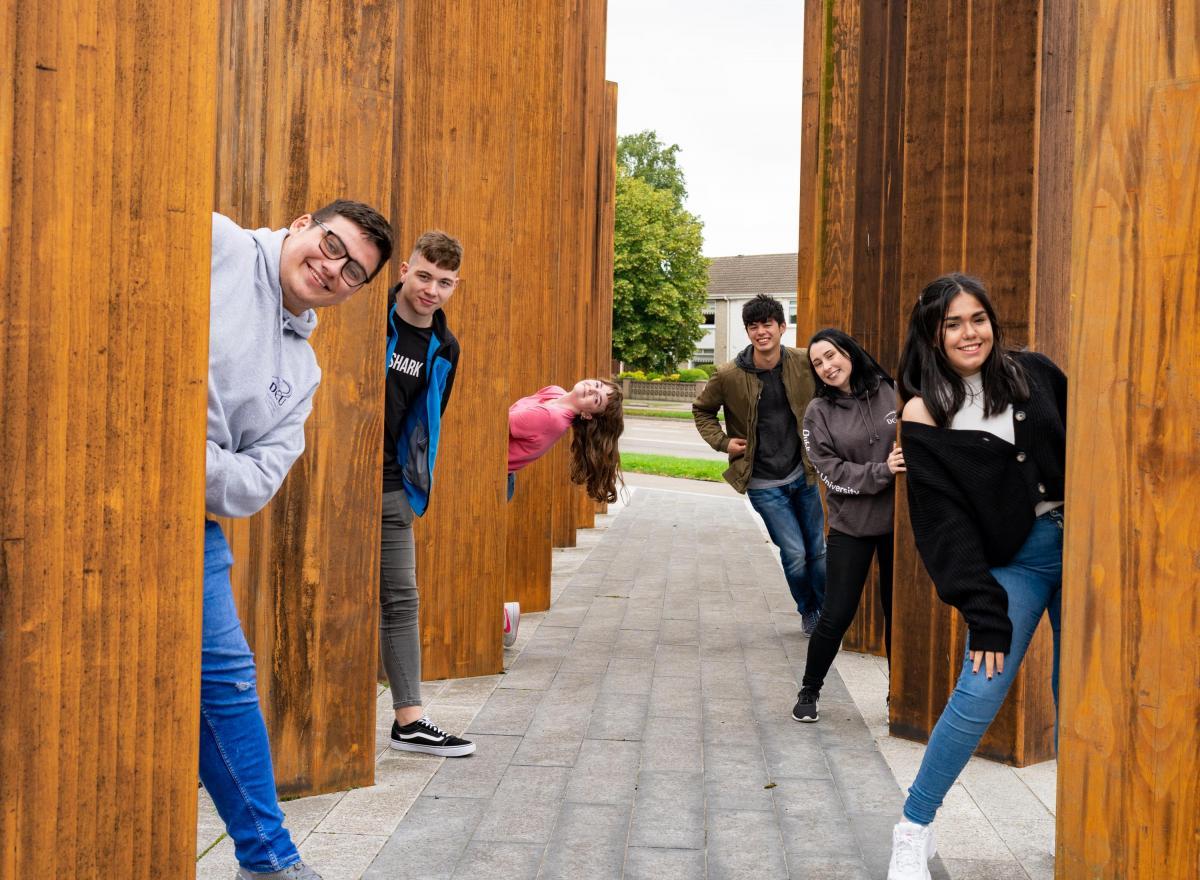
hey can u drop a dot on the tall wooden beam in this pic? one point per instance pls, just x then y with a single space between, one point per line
106 145
306 114
1129 769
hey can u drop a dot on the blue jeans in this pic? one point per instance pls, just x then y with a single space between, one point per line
235 755
796 524
1033 582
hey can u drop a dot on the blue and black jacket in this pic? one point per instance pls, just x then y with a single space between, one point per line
418 442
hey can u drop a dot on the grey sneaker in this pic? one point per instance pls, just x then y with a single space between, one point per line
298 871
808 621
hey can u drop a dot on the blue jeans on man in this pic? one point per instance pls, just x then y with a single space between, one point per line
235 754
796 523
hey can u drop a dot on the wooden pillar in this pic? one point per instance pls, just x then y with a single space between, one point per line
850 215
306 115
458 106
1129 770
981 89
534 313
106 144
602 274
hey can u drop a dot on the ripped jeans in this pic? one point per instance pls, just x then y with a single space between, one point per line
235 755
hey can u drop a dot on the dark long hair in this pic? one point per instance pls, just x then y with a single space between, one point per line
924 370
865 371
595 458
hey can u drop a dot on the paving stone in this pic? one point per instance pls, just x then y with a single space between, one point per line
967 869
507 712
679 632
813 821
636 643
475 776
741 846
489 859
525 806
864 780
672 744
646 863
673 697
532 672
618 716
588 842
628 676
792 750
428 843
678 660
735 775
831 868
668 811
606 772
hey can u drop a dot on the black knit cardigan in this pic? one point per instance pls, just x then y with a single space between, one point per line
971 498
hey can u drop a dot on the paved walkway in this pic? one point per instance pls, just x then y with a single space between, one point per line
642 731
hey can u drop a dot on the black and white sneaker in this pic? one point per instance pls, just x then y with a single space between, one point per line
806 705
425 736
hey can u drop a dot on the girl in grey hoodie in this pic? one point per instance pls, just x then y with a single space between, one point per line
849 431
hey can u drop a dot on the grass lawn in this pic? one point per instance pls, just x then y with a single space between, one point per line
669 466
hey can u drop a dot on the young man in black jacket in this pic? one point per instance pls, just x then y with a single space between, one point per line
422 356
764 392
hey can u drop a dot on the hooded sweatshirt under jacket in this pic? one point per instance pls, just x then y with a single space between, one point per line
848 440
262 372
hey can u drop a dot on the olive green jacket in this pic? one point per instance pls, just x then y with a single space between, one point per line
738 390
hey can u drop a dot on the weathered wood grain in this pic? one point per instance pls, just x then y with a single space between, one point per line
306 93
106 121
1129 770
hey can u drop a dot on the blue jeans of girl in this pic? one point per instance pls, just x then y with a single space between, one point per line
1033 582
235 755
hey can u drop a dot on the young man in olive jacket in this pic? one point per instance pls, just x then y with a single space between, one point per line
764 392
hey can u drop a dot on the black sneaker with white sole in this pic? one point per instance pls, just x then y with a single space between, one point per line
425 736
806 705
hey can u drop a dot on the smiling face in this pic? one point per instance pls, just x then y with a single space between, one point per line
424 288
591 395
310 279
766 335
967 334
830 364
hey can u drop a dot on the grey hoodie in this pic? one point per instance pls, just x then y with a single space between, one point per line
262 372
848 440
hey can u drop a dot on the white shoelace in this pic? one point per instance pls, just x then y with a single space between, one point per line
909 853
425 722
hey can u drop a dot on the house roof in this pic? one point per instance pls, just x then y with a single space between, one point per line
751 274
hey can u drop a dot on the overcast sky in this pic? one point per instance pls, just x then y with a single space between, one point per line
723 81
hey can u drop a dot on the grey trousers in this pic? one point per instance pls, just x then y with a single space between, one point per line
399 629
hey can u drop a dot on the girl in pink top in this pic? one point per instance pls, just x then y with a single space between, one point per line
593 408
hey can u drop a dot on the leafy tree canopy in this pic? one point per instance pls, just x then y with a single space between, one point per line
660 279
645 157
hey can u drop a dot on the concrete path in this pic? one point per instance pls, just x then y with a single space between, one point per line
643 730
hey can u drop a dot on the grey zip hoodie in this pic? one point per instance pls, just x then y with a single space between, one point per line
848 440
262 372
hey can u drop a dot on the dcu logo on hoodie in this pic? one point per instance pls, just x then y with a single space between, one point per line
281 390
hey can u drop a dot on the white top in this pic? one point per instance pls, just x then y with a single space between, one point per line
970 418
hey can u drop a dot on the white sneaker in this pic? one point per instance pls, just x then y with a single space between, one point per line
912 848
512 620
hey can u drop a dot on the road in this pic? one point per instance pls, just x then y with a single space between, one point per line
677 437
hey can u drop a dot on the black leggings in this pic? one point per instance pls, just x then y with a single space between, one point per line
848 562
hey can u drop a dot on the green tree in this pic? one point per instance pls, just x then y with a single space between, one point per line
660 278
644 156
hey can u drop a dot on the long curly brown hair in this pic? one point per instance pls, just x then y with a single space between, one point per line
595 459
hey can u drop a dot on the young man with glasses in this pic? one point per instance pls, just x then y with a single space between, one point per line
262 374
422 355
765 391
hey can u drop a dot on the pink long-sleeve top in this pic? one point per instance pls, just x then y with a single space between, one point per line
534 425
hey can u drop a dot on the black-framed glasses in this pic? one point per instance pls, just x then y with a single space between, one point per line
333 247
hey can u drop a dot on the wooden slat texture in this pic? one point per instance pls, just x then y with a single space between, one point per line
602 277
1129 770
306 95
106 121
534 314
458 105
849 258
972 94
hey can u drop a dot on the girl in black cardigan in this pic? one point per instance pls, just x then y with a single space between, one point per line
984 437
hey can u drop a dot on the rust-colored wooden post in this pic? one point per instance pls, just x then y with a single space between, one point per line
1129 769
106 114
306 94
